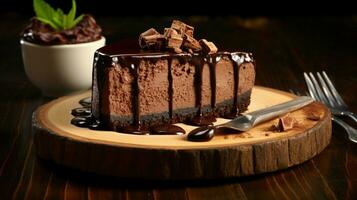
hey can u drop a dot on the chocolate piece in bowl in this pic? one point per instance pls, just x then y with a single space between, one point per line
87 30
146 87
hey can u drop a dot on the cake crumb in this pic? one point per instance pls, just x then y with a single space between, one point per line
286 122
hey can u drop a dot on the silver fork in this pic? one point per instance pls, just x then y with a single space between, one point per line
317 94
330 95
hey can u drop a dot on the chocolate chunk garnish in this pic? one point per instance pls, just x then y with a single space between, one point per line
170 32
208 47
177 38
182 28
286 123
87 30
151 39
174 40
191 43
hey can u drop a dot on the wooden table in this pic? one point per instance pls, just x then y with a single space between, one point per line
283 48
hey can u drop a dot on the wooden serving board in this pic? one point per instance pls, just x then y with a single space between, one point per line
164 157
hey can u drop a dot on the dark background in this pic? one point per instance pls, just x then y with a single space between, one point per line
246 8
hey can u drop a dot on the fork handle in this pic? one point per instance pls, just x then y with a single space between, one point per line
352 133
352 116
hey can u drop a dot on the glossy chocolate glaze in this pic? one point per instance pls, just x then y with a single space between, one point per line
206 133
129 55
85 111
212 68
86 102
136 127
201 134
170 89
79 121
167 129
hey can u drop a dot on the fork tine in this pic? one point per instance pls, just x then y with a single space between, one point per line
310 87
327 92
318 90
334 91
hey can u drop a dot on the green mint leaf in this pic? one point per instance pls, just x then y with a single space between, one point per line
56 18
53 25
66 22
72 13
77 20
40 10
43 10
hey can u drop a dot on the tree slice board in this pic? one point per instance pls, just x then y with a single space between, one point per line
172 157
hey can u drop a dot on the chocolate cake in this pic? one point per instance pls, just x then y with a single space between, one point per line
137 89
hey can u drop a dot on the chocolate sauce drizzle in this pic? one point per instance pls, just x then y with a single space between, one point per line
199 63
132 61
198 85
235 108
212 62
199 119
170 89
135 94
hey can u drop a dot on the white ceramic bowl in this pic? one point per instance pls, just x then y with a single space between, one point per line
60 69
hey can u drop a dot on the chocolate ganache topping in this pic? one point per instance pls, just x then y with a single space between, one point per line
87 30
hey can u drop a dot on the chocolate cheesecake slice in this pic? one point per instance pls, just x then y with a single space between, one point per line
168 78
146 89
